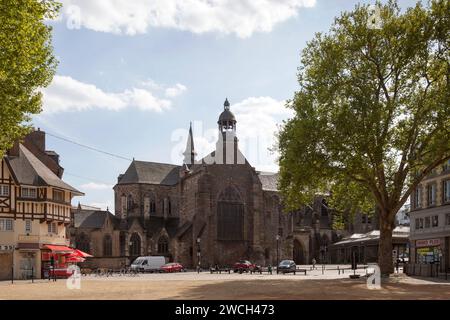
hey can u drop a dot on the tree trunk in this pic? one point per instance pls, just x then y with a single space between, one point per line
385 245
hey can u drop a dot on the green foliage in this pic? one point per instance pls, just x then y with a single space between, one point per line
27 63
372 108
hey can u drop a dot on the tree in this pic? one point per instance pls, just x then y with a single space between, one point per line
27 64
372 115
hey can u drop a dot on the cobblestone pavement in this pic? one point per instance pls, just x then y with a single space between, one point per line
191 285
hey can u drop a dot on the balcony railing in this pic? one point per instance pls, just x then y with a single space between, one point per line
43 239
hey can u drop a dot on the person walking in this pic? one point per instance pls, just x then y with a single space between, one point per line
314 263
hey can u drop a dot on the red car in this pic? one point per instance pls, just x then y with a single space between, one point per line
172 267
244 266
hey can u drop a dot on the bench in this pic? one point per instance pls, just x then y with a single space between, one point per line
219 270
301 270
260 270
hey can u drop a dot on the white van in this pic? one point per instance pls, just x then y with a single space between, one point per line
148 264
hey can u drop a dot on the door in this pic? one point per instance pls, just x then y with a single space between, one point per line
6 262
298 253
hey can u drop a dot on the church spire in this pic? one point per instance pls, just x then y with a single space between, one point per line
189 153
226 104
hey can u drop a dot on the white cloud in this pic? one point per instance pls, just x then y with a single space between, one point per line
175 90
243 17
257 124
68 94
103 205
96 186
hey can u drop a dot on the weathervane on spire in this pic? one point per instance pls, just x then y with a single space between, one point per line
226 104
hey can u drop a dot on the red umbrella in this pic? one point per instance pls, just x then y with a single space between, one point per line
81 254
74 258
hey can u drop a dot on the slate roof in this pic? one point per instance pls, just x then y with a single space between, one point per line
29 170
150 172
398 233
91 219
268 180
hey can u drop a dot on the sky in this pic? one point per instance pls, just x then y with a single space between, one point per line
132 75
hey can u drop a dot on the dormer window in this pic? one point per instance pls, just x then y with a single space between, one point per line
27 192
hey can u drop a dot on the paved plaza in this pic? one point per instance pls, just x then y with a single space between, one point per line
191 285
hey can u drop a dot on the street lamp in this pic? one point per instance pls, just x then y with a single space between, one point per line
199 254
278 250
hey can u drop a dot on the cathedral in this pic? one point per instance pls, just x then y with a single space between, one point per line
214 210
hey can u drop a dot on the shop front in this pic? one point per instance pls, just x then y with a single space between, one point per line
430 257
27 262
428 251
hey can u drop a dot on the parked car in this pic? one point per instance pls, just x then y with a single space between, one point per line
148 264
172 267
287 266
245 266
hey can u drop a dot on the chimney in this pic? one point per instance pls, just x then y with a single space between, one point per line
14 151
37 138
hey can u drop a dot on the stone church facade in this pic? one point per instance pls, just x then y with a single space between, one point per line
218 209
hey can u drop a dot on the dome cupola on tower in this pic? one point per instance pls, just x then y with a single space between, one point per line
227 120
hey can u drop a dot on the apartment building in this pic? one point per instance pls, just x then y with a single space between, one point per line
430 220
35 208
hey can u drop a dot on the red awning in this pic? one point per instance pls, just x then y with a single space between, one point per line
82 254
58 249
74 258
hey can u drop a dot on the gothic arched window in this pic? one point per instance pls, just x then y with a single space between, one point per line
123 204
169 206
149 204
107 246
163 245
324 208
82 243
122 242
135 245
152 206
230 215
129 202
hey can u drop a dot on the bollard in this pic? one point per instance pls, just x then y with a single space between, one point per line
32 274
12 275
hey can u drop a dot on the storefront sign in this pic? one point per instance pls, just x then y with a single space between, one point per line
428 243
6 247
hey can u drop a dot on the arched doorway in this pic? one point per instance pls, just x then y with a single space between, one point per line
298 253
135 245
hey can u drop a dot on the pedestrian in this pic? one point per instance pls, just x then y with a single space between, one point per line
314 263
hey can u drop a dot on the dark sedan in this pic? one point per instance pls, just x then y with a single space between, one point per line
287 266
